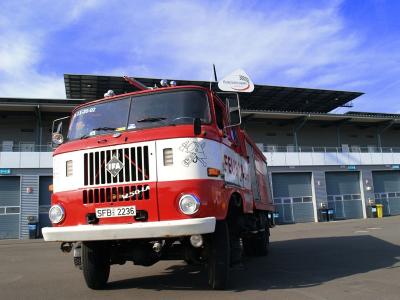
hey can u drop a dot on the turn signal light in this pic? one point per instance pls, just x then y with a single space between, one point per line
213 172
69 168
168 157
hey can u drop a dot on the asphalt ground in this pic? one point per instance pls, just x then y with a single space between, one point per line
354 259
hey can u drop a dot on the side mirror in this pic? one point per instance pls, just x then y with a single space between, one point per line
57 134
231 101
197 126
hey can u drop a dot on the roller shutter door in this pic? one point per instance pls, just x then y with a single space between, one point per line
10 207
44 200
293 197
344 195
387 191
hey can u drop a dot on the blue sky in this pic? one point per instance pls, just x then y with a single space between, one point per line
347 45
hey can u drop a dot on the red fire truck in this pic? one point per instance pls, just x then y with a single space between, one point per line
162 173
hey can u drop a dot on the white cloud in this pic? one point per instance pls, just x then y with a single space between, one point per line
24 29
309 45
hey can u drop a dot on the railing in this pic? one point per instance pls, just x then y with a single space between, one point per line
340 156
22 147
351 149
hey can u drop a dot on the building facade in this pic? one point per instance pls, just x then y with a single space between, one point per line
26 161
342 161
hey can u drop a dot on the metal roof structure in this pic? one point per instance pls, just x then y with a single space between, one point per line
360 117
31 104
264 97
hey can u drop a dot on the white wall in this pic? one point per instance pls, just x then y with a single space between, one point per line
20 160
330 158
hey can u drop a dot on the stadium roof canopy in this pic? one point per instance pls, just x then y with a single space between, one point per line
32 104
353 117
264 97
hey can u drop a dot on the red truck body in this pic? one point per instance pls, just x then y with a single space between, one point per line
148 166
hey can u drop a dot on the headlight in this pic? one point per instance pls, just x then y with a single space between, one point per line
189 204
56 214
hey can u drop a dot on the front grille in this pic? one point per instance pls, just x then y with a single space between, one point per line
135 166
116 194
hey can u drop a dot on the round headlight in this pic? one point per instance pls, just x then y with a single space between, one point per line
58 138
189 204
56 214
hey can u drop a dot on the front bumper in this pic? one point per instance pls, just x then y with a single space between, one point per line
161 229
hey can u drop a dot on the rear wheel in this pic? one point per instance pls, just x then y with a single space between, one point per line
257 244
219 258
95 264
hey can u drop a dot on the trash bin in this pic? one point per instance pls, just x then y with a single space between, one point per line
323 215
379 210
33 227
372 211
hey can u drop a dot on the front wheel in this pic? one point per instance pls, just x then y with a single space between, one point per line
219 257
95 264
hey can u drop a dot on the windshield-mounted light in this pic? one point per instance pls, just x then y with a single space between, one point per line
57 138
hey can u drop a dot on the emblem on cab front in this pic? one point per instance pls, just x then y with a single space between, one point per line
114 166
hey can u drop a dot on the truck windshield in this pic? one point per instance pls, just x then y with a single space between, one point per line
145 111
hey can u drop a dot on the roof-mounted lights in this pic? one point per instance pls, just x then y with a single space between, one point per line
165 83
110 93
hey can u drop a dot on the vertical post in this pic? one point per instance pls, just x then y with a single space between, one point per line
339 142
295 142
38 139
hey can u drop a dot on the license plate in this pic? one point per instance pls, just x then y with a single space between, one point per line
111 212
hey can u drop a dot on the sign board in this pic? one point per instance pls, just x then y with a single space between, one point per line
5 171
396 167
351 167
237 81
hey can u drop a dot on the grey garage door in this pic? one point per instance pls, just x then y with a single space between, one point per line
293 197
344 195
9 207
387 191
44 200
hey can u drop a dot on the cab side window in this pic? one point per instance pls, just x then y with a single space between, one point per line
219 115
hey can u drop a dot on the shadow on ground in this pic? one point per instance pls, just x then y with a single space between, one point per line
291 264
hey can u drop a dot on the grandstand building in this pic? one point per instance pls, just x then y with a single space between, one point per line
316 159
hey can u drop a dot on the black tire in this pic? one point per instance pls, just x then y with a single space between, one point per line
219 258
95 265
258 244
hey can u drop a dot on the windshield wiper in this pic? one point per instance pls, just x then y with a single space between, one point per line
85 136
103 128
152 119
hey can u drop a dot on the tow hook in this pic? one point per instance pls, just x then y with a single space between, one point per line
157 247
66 247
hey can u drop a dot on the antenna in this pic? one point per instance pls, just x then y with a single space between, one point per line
215 73
215 76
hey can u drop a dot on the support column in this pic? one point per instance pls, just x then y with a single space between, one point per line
319 191
381 129
367 189
39 128
297 126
